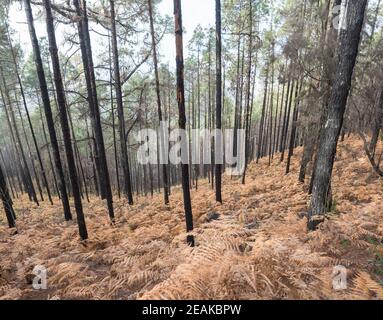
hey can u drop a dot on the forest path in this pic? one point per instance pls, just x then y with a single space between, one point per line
254 246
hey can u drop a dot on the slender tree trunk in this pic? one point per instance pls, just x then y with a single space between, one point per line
276 121
271 98
120 108
287 117
62 105
6 200
236 110
87 59
293 133
263 115
113 121
7 175
277 145
289 88
248 91
218 101
377 125
48 111
159 109
182 116
91 147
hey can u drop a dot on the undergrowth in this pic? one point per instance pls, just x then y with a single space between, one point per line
257 247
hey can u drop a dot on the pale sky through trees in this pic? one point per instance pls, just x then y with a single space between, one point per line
194 12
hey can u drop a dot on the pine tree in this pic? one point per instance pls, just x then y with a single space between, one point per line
62 105
347 53
48 112
182 115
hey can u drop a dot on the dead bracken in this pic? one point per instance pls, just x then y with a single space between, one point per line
278 259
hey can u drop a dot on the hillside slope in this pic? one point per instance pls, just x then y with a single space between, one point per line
257 248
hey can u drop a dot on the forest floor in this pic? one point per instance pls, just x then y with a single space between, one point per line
254 246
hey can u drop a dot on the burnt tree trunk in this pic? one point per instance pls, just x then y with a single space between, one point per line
87 60
378 124
113 121
218 100
6 200
62 106
348 51
248 91
48 112
159 110
294 126
182 115
120 109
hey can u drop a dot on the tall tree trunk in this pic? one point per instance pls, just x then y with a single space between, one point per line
348 51
120 108
208 115
10 182
377 125
330 49
182 115
91 147
237 85
293 133
289 88
286 125
263 115
87 59
276 121
248 91
6 200
113 121
48 111
271 97
62 106
159 110
218 100
277 145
